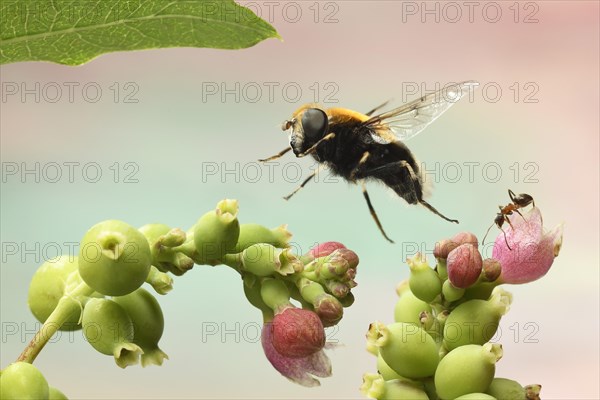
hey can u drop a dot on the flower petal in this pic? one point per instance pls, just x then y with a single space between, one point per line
532 251
298 370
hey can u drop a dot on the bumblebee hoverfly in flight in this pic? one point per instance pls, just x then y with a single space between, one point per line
361 147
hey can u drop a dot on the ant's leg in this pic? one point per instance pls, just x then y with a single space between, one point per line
519 212
373 213
508 220
506 240
276 156
312 149
486 233
289 196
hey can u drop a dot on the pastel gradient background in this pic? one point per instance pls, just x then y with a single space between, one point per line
375 51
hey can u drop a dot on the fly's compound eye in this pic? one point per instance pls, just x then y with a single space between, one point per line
314 123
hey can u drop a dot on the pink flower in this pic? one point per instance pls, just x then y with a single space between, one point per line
297 369
324 249
533 250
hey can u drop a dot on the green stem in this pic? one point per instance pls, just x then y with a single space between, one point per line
161 282
69 304
233 260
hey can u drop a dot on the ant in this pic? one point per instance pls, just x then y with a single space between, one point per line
518 201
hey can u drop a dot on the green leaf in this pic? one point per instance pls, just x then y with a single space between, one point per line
73 32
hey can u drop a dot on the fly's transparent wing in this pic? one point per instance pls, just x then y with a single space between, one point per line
410 119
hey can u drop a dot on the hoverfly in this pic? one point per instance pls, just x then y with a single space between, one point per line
518 201
369 146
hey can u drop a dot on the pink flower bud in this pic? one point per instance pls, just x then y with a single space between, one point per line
297 333
325 249
533 251
464 265
465 237
340 264
329 309
443 248
491 269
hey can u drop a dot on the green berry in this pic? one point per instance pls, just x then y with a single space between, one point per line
216 233
275 294
254 233
261 259
148 324
475 321
109 329
442 268
506 389
450 292
424 282
406 348
48 285
252 290
409 307
481 290
467 369
385 370
56 394
114 258
22 381
476 396
374 386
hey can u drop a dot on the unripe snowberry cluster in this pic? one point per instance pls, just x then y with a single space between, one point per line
439 345
320 281
100 292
